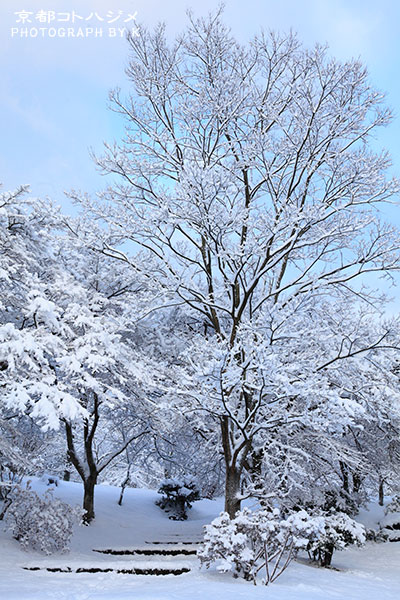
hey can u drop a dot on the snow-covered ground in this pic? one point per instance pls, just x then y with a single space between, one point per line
369 573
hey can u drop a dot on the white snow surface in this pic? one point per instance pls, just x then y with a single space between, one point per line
369 573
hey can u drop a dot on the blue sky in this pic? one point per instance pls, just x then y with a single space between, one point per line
54 90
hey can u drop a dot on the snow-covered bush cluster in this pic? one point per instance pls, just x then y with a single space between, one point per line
337 532
42 523
391 522
254 541
177 496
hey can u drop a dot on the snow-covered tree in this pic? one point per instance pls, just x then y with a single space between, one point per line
100 369
62 354
249 190
102 366
31 326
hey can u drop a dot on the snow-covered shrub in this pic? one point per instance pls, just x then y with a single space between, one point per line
340 501
391 521
378 536
338 531
177 496
253 541
394 505
42 523
49 479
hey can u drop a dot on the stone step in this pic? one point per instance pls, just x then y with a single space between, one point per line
133 570
175 543
148 551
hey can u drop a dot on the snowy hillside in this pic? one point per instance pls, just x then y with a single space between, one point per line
371 572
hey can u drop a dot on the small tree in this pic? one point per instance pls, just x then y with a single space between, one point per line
177 496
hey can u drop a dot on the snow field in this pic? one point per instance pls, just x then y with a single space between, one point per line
369 573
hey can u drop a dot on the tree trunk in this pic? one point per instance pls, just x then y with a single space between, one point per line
67 469
88 499
232 473
123 486
232 491
180 511
357 482
6 506
381 492
326 556
345 476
